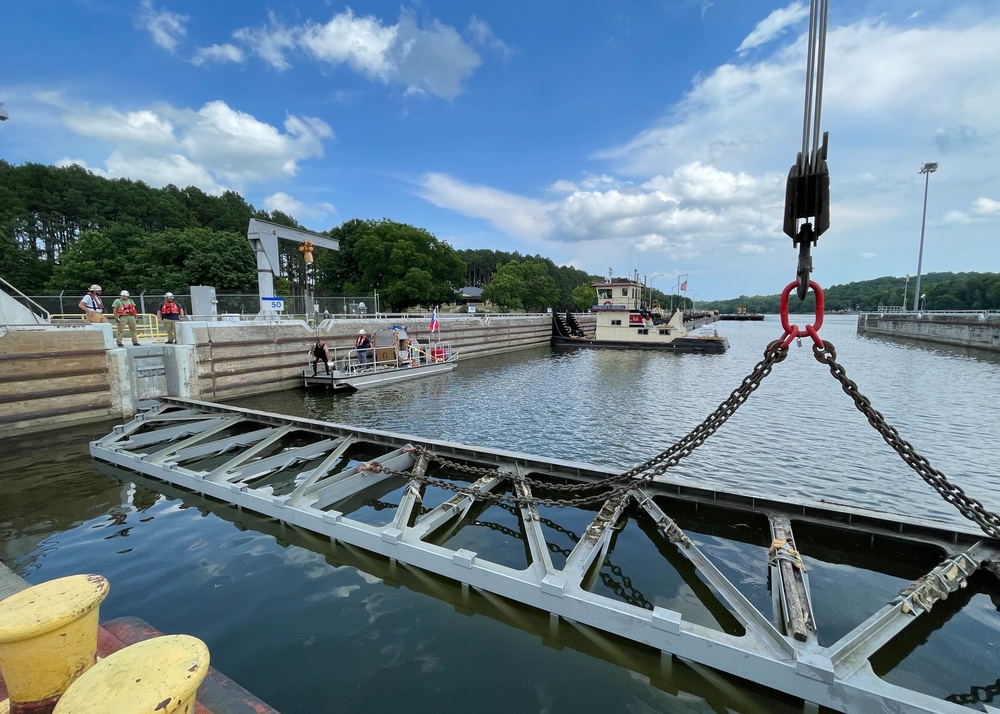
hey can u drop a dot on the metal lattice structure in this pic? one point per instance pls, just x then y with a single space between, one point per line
376 491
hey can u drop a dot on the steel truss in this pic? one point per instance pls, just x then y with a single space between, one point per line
312 483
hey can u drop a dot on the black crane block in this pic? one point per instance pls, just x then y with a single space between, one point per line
807 196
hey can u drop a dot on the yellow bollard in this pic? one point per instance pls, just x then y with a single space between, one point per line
159 675
48 638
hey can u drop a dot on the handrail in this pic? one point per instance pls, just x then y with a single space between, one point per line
32 306
147 325
903 311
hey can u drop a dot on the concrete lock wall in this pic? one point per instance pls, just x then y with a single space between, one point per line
57 376
980 330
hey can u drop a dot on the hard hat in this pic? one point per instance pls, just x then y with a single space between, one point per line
166 295
361 332
95 288
124 293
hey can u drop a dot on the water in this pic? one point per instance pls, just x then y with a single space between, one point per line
311 627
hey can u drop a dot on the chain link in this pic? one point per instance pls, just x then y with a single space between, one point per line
620 484
976 695
612 486
969 507
773 354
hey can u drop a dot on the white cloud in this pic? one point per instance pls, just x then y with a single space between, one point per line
270 43
773 25
515 215
424 59
218 53
482 34
215 147
982 209
167 28
144 127
706 181
589 182
281 201
361 43
433 60
696 209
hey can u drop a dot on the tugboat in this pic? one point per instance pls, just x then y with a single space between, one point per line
623 323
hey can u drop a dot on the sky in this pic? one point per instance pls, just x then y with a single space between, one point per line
637 136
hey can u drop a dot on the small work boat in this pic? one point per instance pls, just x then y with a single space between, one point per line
394 357
624 323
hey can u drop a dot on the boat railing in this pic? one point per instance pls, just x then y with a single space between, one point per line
348 361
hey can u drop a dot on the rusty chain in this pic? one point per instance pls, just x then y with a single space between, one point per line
627 480
773 354
969 507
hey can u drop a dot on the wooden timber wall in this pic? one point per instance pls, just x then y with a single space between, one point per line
56 376
50 378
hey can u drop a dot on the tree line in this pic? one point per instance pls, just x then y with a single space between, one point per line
942 291
63 228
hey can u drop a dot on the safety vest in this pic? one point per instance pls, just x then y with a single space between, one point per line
170 307
126 309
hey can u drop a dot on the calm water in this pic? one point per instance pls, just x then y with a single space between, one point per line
311 627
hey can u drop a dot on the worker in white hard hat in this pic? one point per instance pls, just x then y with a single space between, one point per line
363 344
170 311
125 313
92 305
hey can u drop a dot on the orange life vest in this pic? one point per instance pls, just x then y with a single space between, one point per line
126 309
170 307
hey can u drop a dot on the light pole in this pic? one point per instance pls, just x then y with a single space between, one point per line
905 286
654 277
926 170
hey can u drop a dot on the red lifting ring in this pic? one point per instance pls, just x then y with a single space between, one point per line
792 331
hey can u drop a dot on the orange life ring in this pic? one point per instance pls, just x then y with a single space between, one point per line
607 302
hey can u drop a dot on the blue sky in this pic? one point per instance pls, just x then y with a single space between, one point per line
629 135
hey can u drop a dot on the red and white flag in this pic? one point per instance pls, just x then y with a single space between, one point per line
434 321
684 286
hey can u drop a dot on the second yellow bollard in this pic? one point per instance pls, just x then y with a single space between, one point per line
159 675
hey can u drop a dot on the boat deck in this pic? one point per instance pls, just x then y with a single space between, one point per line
750 586
374 376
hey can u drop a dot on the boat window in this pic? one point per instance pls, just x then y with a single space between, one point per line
604 293
643 331
624 292
616 322
664 332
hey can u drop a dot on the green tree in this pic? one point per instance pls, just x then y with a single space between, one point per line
124 257
524 284
408 266
505 291
583 297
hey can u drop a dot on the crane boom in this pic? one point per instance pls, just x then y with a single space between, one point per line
263 237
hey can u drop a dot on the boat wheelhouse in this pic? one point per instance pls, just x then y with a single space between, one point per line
623 322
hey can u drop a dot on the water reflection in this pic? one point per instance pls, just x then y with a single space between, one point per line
372 617
341 628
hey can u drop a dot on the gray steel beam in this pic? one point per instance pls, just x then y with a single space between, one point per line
808 674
